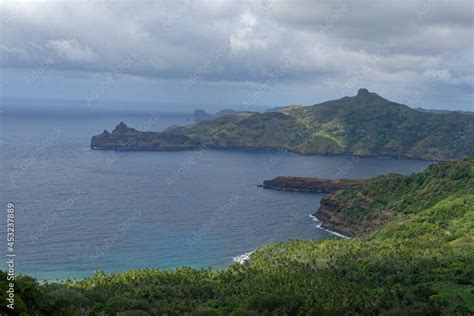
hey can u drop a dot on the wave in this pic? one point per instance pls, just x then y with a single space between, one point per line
319 224
246 256
243 258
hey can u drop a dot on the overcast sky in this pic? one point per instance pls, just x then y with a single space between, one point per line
239 53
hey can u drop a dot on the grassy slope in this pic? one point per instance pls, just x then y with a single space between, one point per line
370 124
245 130
418 264
362 125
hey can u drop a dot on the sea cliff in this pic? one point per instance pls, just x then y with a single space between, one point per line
331 210
361 210
331 214
356 208
126 138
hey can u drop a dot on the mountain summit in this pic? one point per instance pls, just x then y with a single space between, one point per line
363 92
123 128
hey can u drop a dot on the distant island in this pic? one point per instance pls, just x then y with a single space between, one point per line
444 111
202 115
365 125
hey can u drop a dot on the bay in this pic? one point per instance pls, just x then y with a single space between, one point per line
79 210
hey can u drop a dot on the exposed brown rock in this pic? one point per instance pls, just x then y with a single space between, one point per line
331 214
303 184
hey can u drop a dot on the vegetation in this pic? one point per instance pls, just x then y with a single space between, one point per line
361 210
418 263
365 124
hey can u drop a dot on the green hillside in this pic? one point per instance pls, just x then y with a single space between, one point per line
379 200
365 124
419 262
368 124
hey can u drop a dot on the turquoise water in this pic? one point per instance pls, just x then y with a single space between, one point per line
78 210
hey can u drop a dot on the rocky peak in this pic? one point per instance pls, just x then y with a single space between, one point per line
122 128
363 92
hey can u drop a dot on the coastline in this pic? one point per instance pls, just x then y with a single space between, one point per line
329 227
245 258
274 149
320 225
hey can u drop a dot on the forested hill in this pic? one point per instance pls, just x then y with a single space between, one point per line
368 124
365 124
417 263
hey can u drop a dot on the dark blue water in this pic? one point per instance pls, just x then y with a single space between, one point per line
78 210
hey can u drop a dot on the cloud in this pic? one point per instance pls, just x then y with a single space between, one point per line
71 50
331 42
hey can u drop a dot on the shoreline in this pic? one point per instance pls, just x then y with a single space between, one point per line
245 258
263 149
320 224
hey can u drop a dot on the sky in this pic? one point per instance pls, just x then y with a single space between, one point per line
224 53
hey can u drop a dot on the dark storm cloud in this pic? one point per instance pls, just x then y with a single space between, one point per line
401 43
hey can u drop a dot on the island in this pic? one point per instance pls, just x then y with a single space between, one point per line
202 115
365 125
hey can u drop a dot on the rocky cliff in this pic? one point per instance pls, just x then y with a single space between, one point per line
361 210
332 214
126 138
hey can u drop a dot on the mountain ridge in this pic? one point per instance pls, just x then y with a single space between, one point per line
365 125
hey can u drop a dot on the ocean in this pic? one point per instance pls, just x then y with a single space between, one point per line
78 210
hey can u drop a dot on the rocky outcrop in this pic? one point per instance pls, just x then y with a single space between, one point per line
126 138
123 128
332 212
332 215
302 184
363 92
